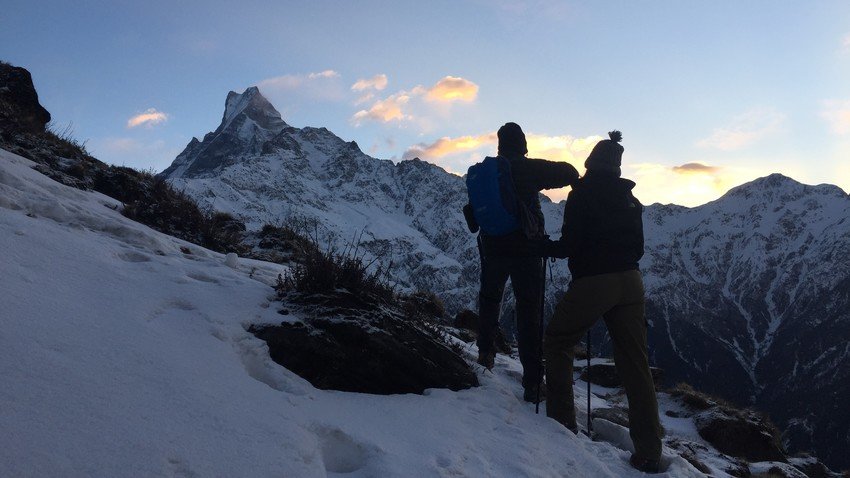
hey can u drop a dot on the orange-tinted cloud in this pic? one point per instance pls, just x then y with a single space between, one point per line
377 82
386 110
452 88
395 108
561 148
149 117
446 146
744 130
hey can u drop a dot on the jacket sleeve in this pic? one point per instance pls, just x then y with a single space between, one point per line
571 231
539 174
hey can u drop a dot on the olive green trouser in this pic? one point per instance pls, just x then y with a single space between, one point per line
618 298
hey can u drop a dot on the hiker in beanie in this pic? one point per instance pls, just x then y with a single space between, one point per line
504 256
602 236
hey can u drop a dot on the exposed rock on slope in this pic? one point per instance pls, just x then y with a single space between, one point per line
343 342
19 106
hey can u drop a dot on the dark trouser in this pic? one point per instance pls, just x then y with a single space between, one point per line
526 274
619 299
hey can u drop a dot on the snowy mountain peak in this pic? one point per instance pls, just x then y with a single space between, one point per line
255 106
249 121
779 188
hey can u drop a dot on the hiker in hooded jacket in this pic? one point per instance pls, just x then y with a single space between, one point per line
602 236
506 254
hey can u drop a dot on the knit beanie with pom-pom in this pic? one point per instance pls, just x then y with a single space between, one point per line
607 155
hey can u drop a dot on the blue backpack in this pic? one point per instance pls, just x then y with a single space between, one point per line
491 192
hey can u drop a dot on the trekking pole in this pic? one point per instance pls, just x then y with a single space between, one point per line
540 342
589 423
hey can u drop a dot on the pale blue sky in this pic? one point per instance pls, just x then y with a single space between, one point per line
742 88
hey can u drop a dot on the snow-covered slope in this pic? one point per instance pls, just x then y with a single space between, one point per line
123 355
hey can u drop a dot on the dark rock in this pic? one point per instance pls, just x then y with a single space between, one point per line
738 469
812 467
347 343
466 319
620 416
740 433
697 454
694 399
605 375
776 470
19 106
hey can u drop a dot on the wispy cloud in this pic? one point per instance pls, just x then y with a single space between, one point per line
744 129
323 74
452 88
149 117
837 114
695 168
321 85
846 42
377 82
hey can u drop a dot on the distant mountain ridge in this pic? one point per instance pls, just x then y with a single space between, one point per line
748 295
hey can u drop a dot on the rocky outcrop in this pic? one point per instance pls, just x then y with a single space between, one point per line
343 342
20 110
740 433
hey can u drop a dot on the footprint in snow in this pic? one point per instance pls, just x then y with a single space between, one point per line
133 256
202 277
340 453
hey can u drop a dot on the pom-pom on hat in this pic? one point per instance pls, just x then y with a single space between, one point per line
512 140
607 155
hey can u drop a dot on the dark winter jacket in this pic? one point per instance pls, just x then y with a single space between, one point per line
603 227
530 176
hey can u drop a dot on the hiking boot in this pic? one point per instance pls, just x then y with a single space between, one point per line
530 394
487 359
644 464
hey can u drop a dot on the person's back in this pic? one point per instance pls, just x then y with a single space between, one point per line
603 225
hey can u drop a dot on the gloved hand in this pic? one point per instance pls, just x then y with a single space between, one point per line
556 249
